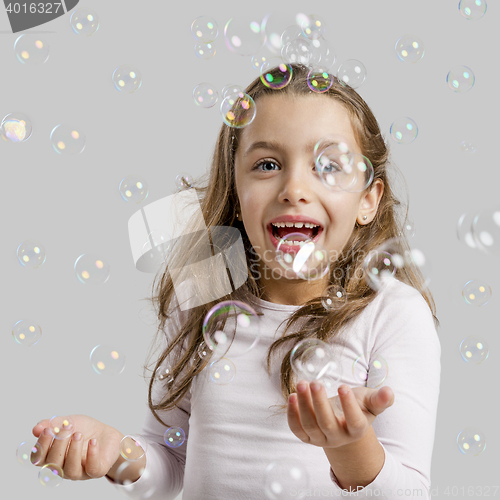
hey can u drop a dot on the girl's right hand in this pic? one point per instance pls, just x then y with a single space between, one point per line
78 458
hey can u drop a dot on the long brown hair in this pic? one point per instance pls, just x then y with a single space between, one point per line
218 200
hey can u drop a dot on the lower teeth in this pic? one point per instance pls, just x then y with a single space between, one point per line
293 243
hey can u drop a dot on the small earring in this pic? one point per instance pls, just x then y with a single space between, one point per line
365 217
237 215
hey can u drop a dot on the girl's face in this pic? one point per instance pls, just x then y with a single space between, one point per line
276 176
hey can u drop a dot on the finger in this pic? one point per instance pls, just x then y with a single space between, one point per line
356 422
38 429
325 416
73 464
294 419
44 442
93 465
380 400
306 411
57 451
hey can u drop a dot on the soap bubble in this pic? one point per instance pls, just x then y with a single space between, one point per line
334 163
84 21
339 168
31 254
51 475
231 89
234 314
370 366
464 230
409 229
204 29
323 57
204 50
244 36
29 453
128 468
313 27
222 371
301 256
184 181
383 263
205 95
61 427
319 80
290 34
106 360
352 73
485 230
90 269
273 25
67 139
260 58
174 437
298 51
26 332
404 130
285 477
471 441
476 293
16 127
30 49
203 351
379 267
334 297
460 79
313 359
238 110
472 9
127 78
165 375
133 448
410 48
474 349
133 188
275 74
468 147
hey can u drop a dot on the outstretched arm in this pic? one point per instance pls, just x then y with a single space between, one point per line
348 439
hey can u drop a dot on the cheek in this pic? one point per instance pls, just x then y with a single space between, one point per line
339 215
252 202
342 217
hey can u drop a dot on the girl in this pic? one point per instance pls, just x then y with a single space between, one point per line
371 441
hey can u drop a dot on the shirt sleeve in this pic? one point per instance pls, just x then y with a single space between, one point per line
404 334
163 477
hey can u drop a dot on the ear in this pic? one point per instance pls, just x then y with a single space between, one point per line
368 204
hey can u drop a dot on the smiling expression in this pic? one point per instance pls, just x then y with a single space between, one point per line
276 176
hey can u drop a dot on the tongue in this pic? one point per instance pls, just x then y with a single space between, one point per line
283 231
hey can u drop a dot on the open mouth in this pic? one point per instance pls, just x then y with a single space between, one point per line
277 234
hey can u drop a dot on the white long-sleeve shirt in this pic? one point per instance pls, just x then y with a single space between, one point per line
232 434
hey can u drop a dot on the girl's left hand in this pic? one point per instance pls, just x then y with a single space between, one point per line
312 418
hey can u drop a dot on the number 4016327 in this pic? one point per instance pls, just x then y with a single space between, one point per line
34 7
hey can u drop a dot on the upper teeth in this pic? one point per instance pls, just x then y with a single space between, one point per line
294 224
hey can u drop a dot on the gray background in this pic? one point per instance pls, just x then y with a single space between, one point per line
72 204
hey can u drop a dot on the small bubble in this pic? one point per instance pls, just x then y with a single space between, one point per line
410 48
174 437
31 49
106 360
16 127
84 21
127 78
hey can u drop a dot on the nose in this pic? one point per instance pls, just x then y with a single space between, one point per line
296 185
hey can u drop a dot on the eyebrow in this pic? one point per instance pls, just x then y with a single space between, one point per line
278 146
